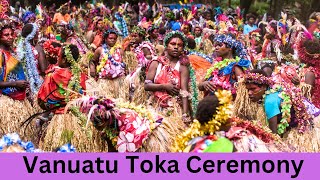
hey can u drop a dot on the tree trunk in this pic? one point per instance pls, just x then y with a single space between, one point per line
315 6
277 8
245 5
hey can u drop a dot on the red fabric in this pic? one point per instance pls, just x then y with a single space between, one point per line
50 88
19 95
134 130
167 75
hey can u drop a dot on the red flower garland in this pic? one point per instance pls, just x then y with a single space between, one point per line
262 134
50 50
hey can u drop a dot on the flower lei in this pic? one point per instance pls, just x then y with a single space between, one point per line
258 79
291 97
108 56
13 138
125 32
222 116
25 54
67 148
224 63
285 108
261 132
50 50
194 90
213 73
192 52
74 82
264 61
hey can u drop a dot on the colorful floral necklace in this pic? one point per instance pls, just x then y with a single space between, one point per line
108 56
224 112
219 65
213 73
74 82
291 97
285 108
193 52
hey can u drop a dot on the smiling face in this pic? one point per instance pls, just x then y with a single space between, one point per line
175 47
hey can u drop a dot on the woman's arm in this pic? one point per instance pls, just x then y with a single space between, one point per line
149 85
94 62
310 78
185 75
273 124
43 63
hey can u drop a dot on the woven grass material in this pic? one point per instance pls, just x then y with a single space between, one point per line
162 138
208 47
309 141
306 90
131 61
137 95
92 87
64 128
245 109
12 114
175 110
112 88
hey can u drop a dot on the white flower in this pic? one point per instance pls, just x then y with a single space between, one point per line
125 142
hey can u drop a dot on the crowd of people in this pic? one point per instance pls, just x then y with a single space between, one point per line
141 78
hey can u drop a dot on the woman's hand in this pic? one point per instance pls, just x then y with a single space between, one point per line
171 89
208 86
21 84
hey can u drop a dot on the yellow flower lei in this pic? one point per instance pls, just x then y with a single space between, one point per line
104 60
224 112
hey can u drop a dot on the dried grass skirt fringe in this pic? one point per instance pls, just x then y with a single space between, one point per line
12 114
64 128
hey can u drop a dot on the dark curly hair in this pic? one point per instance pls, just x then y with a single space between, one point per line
26 30
312 46
177 36
207 108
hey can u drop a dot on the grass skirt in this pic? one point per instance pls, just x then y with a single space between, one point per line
162 138
309 141
64 128
112 88
12 114
92 87
251 143
131 61
135 86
